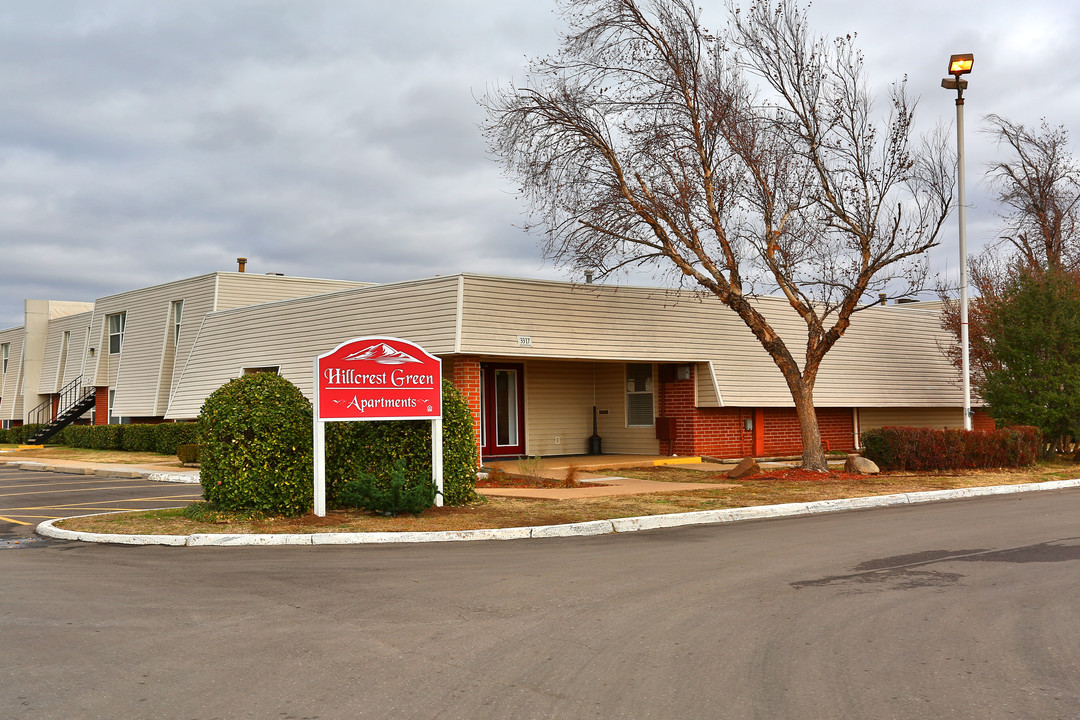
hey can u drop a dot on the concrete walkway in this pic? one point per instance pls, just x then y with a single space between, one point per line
161 472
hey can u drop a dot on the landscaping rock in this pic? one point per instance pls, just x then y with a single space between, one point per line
748 466
860 465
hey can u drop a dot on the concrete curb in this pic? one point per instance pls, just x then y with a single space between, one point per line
189 478
583 529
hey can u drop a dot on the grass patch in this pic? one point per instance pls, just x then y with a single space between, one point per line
516 512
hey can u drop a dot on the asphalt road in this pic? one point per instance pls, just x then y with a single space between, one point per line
965 609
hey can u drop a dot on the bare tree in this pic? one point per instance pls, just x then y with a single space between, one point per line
1038 184
1040 187
740 161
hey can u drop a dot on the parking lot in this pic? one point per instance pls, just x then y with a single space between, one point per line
29 497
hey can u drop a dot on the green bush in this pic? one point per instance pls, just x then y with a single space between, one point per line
160 438
389 494
18 435
255 446
188 453
923 449
354 449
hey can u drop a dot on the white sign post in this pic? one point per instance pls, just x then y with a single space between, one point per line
376 378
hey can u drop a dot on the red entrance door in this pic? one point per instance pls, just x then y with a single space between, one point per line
502 418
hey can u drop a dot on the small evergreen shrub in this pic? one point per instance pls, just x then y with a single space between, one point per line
188 453
354 449
389 494
255 448
923 449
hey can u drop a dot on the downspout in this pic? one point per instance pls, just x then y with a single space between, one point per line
855 425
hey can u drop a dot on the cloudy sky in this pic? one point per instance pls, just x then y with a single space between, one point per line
142 142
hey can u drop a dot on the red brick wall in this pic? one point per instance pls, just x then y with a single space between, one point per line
982 421
837 427
101 406
466 376
720 432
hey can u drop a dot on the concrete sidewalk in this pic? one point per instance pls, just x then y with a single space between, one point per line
159 472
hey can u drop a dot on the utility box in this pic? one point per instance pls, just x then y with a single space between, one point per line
666 428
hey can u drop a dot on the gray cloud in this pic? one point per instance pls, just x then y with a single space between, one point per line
145 142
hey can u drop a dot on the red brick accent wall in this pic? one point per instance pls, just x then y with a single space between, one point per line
837 427
721 432
55 406
101 406
981 420
466 376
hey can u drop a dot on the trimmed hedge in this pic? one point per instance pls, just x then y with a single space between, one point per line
373 448
17 435
921 449
255 448
160 438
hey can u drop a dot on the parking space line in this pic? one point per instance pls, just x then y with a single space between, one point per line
19 522
56 492
90 480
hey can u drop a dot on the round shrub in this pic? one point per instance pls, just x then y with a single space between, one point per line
373 449
255 446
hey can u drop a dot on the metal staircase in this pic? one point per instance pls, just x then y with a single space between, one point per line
75 399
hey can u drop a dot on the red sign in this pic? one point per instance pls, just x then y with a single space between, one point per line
378 378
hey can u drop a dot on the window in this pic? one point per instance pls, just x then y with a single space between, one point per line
116 331
5 350
177 313
639 395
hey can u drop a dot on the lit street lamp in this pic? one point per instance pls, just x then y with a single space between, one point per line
961 65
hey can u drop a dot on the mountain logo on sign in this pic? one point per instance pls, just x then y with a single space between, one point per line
383 354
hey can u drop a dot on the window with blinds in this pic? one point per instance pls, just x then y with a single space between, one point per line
639 395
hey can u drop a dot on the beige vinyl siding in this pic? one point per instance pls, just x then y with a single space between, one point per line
939 418
243 289
136 373
558 407
11 404
615 436
53 376
890 356
291 333
705 393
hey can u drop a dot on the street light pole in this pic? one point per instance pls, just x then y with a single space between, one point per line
961 65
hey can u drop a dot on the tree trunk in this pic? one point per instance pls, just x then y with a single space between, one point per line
813 455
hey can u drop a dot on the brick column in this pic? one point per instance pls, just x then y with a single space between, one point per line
101 406
467 379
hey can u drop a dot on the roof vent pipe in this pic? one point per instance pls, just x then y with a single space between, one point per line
882 297
588 277
241 262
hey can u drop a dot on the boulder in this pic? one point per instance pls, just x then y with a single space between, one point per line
860 465
748 466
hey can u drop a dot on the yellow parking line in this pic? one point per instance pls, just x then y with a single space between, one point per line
45 492
18 522
90 479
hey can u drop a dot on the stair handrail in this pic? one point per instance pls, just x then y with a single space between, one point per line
70 395
41 414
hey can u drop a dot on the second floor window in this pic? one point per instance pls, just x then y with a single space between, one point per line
116 332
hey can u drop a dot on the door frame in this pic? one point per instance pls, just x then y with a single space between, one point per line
489 446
